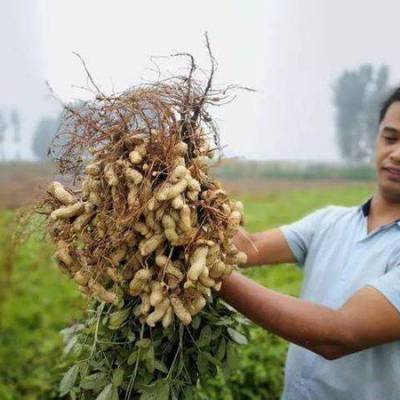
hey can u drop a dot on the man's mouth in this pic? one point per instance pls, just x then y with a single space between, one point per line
393 173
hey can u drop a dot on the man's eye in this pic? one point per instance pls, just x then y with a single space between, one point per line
390 139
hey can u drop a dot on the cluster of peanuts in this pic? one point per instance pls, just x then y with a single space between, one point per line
139 226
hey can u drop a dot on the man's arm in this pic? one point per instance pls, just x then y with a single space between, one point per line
367 319
268 247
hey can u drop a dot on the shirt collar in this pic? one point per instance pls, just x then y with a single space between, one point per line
365 208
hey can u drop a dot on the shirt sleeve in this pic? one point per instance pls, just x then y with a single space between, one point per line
299 234
389 283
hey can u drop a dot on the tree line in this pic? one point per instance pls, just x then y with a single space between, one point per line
357 97
10 121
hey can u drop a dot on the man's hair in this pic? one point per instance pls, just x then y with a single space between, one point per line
395 96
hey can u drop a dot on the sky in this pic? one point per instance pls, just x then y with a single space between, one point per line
290 51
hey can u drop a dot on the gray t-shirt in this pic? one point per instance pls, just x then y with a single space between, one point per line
339 257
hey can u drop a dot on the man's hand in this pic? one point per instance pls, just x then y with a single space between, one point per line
268 247
367 319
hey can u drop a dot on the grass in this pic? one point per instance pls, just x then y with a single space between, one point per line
37 301
293 170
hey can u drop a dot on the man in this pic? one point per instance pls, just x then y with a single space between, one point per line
345 328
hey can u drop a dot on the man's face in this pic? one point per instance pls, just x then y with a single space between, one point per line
388 154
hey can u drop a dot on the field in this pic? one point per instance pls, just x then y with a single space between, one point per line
36 301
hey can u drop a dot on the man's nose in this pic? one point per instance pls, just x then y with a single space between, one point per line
395 155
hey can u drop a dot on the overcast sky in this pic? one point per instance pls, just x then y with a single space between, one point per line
291 51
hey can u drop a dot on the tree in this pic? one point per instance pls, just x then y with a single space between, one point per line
3 128
357 96
43 136
16 122
369 122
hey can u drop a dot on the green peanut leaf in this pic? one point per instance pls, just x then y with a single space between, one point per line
69 379
221 350
143 343
205 336
108 393
160 366
149 360
202 364
237 337
133 358
118 377
118 318
158 391
94 381
196 322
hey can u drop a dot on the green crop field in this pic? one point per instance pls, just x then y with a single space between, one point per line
37 301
